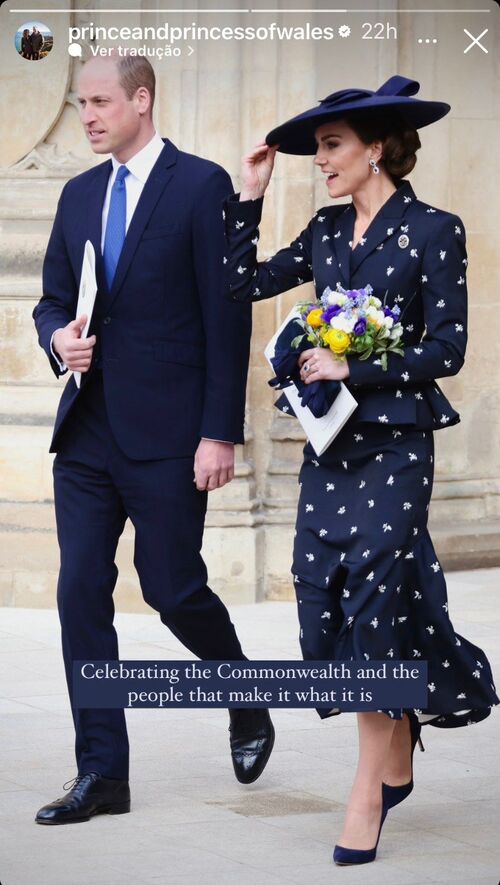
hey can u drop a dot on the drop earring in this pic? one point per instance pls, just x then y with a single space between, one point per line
375 168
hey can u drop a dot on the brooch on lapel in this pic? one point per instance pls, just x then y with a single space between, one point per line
403 241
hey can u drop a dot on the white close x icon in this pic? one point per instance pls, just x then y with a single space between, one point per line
475 41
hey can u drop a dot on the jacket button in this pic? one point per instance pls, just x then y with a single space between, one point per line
107 321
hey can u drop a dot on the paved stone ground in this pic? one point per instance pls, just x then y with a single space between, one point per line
192 822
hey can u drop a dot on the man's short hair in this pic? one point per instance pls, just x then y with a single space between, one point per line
134 72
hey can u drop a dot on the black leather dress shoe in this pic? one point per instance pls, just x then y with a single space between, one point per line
89 794
251 741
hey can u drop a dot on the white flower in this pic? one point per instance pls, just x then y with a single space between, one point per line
444 419
341 510
326 615
330 486
446 663
405 376
430 630
461 281
431 686
239 224
435 566
346 593
412 456
406 505
413 253
371 503
310 557
459 327
390 653
370 576
309 508
386 527
374 623
442 254
366 554
324 238
241 269
441 303
389 271
383 419
379 457
298 258
390 481
354 529
476 674
362 484
323 532
345 324
381 588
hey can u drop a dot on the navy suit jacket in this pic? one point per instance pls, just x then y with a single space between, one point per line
412 255
174 354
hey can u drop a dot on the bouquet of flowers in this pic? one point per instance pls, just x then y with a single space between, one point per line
351 321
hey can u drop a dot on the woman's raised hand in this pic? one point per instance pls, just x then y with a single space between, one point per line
256 170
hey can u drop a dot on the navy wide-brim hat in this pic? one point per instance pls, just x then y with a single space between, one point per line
296 136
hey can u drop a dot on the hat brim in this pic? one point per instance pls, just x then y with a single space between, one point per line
296 136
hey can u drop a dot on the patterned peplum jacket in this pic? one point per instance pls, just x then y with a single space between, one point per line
412 255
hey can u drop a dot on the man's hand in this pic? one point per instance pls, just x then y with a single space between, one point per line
213 465
74 351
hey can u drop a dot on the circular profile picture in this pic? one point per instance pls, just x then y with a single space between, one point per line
33 41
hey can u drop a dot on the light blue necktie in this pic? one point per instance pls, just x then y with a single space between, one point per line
116 224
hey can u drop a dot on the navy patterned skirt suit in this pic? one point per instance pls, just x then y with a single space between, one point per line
368 582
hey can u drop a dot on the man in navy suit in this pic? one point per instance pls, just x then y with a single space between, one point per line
152 429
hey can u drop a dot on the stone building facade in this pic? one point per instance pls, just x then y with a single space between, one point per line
217 102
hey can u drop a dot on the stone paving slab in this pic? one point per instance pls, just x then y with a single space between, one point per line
192 823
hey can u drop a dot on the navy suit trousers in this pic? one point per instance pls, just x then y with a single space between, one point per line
96 488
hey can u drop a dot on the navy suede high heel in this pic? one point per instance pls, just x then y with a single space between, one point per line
349 856
392 796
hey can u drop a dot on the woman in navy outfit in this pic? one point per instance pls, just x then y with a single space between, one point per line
368 582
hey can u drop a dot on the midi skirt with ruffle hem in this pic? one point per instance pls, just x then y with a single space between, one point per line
369 585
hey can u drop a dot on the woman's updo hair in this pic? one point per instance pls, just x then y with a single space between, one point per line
400 141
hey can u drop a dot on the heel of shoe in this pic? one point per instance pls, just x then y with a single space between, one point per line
119 807
420 744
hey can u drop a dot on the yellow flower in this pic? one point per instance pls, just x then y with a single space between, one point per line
314 317
337 340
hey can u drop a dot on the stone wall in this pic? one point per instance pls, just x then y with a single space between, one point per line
218 102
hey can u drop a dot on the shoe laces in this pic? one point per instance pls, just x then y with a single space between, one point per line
76 781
